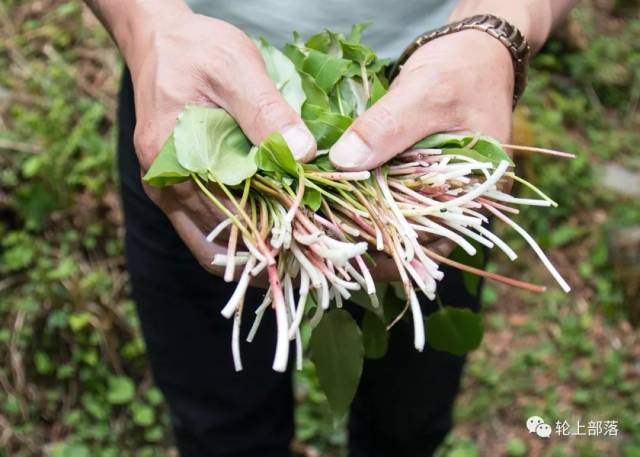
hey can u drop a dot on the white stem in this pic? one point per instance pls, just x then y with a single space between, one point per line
314 275
282 345
298 351
504 247
356 275
338 252
217 230
260 310
349 230
371 286
343 175
418 322
235 340
324 293
288 298
431 267
473 213
523 233
416 277
467 159
309 239
437 229
230 267
389 200
241 288
315 319
221 259
471 234
302 301
501 196
253 250
379 240
475 192
337 297
259 267
452 216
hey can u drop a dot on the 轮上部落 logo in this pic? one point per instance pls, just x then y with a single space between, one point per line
535 424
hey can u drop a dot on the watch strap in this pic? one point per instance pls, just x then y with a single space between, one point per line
503 31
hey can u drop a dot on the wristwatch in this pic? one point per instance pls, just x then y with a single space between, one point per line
506 33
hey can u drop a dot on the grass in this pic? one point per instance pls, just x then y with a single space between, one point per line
73 377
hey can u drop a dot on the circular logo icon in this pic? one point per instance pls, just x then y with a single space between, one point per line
533 422
543 430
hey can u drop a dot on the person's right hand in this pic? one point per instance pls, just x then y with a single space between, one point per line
181 58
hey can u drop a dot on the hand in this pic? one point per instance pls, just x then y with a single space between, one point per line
459 82
184 58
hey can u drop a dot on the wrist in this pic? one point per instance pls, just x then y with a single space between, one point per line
532 18
499 31
134 23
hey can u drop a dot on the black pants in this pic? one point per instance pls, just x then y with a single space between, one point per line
404 402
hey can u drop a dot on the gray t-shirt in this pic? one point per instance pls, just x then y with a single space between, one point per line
395 23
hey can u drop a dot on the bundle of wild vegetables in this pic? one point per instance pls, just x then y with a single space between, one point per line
313 228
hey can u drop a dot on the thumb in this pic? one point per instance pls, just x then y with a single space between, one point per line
390 126
260 109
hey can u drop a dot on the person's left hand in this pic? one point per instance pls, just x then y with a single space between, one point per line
459 82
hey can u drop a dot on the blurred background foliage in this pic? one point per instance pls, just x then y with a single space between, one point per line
73 375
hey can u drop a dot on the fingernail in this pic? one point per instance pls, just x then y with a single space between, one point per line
350 151
299 140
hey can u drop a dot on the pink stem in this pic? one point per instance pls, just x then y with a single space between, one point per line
506 208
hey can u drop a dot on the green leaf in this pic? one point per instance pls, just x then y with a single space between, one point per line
327 42
154 396
283 73
320 163
470 153
337 352
360 298
353 97
356 31
43 362
121 390
357 52
165 169
78 321
295 55
374 336
326 126
485 146
143 415
154 434
70 450
274 155
312 199
210 143
325 69
565 234
442 140
315 95
454 330
377 91
516 447
492 150
354 70
471 281
377 66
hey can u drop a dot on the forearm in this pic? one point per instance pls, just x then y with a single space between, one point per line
131 21
535 18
